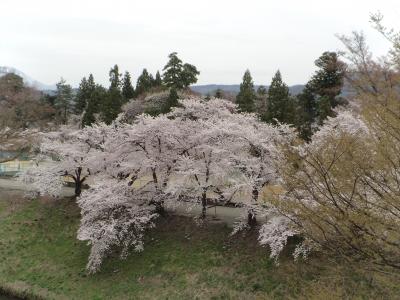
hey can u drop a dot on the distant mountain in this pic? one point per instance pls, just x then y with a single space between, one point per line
234 88
27 80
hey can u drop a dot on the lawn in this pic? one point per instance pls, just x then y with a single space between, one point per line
40 257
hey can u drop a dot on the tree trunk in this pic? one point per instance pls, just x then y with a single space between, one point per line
78 188
251 216
159 204
204 205
78 182
251 219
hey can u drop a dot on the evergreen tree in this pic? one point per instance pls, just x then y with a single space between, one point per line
172 71
112 103
324 109
327 84
128 91
246 97
172 101
307 112
280 105
81 97
95 101
89 116
111 106
158 80
152 80
178 75
189 75
64 100
144 83
86 88
115 78
321 94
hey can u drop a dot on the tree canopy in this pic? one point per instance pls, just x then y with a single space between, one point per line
178 75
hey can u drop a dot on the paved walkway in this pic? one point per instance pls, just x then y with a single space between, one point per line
13 184
228 215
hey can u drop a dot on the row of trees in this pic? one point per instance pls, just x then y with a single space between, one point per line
92 99
94 102
307 110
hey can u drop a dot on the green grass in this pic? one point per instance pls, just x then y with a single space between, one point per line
40 256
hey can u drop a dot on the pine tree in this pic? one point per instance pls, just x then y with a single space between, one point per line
86 87
158 80
172 71
324 109
128 91
115 78
64 100
144 83
246 97
172 101
189 75
81 97
91 85
152 80
327 84
321 94
280 104
94 105
307 112
111 106
178 75
112 103
89 116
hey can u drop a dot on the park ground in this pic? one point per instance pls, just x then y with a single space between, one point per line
40 258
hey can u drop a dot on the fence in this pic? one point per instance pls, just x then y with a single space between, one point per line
11 168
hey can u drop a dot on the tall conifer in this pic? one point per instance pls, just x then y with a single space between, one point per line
128 92
246 97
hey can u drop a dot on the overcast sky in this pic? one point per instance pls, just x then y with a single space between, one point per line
47 39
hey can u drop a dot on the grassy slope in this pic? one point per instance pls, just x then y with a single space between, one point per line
39 255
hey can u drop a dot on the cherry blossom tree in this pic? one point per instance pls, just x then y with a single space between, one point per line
201 153
113 215
67 153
